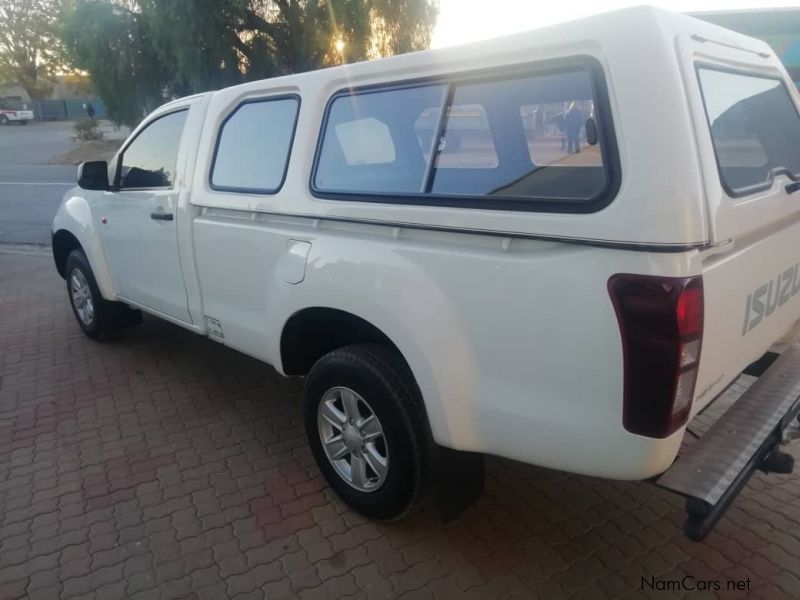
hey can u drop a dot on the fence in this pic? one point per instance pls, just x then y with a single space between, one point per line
60 110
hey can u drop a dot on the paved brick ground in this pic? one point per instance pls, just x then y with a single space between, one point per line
166 466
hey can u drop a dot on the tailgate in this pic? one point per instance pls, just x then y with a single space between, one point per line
748 129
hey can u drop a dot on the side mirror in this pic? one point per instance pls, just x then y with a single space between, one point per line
591 131
93 175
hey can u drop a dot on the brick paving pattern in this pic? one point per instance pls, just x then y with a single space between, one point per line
163 465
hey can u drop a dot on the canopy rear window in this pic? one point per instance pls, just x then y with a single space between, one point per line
535 140
755 129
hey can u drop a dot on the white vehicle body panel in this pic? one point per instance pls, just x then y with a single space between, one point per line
75 216
144 253
149 273
17 115
487 383
503 316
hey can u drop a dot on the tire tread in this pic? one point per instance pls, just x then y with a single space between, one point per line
109 316
389 367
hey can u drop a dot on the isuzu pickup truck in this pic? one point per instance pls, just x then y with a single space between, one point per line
558 247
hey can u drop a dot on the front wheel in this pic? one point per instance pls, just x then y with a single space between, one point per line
364 422
3 120
96 316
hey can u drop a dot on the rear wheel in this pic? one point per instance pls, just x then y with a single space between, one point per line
3 120
364 421
96 316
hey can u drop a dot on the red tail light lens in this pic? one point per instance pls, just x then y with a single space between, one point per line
661 324
690 310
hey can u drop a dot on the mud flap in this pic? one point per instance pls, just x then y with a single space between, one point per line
457 480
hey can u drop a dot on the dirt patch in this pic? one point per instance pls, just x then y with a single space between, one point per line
90 150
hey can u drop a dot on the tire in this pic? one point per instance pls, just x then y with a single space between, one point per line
384 387
3 120
97 317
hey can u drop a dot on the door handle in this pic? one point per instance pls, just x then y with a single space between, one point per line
791 188
161 216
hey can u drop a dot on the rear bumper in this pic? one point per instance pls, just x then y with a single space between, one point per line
712 470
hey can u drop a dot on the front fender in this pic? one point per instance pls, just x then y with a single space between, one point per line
75 216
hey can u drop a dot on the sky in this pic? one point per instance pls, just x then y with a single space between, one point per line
462 21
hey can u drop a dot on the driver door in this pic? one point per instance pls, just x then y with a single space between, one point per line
138 218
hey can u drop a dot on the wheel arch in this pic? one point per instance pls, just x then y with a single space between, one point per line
312 332
73 228
64 242
295 355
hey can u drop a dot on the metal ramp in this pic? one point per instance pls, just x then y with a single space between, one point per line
715 467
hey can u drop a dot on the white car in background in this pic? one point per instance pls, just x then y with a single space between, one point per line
10 115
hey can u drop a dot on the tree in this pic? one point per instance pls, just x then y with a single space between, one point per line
199 41
187 46
112 43
304 34
401 26
30 51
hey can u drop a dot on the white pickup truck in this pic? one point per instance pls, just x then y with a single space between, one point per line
557 247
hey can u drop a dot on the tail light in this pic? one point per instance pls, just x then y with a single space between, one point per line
661 323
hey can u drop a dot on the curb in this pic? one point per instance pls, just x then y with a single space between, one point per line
28 249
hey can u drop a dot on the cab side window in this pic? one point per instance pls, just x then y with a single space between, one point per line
149 161
254 144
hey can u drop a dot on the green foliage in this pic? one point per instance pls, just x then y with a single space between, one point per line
30 51
139 52
401 26
87 129
113 43
196 40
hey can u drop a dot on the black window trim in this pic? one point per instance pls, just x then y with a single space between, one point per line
606 136
246 190
774 172
115 187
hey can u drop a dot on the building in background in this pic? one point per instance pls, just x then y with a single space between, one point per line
779 27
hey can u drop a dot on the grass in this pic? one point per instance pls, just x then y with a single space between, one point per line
88 150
